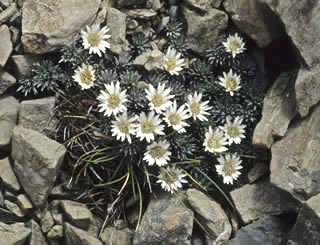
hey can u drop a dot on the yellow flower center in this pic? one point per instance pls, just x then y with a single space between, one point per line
229 167
171 64
113 101
157 152
123 126
147 127
170 177
231 83
157 100
86 77
174 118
235 45
233 131
94 39
195 108
214 142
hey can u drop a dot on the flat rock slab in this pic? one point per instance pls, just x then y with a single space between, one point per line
37 236
116 237
5 45
6 131
37 160
7 175
15 234
76 236
9 112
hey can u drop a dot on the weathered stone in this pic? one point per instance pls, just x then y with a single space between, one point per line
95 226
14 208
278 110
8 13
201 5
56 232
268 230
76 236
6 80
5 45
37 236
174 11
37 160
126 3
150 60
58 218
15 234
117 23
22 64
9 112
6 131
37 114
211 216
307 90
77 213
7 175
295 158
24 203
257 171
46 221
166 221
262 198
204 31
216 3
5 3
115 237
141 13
50 24
120 224
156 5
306 229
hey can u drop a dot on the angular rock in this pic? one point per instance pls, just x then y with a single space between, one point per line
22 64
14 208
268 230
6 131
257 171
37 160
50 24
46 221
262 198
15 234
201 5
256 19
7 175
8 13
141 13
115 237
76 236
6 80
211 216
95 226
24 203
117 23
9 112
307 90
150 60
295 159
5 3
166 221
306 229
204 31
37 236
126 3
5 45
216 3
56 232
77 213
278 110
37 114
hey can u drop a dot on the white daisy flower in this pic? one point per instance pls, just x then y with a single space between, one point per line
230 81
234 131
158 153
159 98
229 168
234 45
94 39
172 62
148 126
85 76
175 117
197 109
112 100
123 127
215 141
171 178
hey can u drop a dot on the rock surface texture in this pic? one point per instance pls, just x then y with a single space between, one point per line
5 45
15 234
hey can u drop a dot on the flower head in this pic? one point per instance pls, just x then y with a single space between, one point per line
215 141
159 98
123 127
171 178
85 76
229 168
94 39
197 109
234 45
112 100
234 131
148 126
175 117
158 153
230 81
172 62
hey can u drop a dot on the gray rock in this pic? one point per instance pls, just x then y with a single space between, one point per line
5 45
15 35
115 237
216 3
46 221
14 208
8 13
56 232
166 221
9 112
173 11
120 224
306 229
6 80
5 3
76 236
37 236
37 114
257 171
77 213
50 24
200 5
150 60
256 19
307 90
156 5
6 131
262 198
14 234
126 3
295 158
22 64
7 175
24 203
204 31
210 215
37 160
141 13
117 23
95 226
268 230
278 110
58 218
